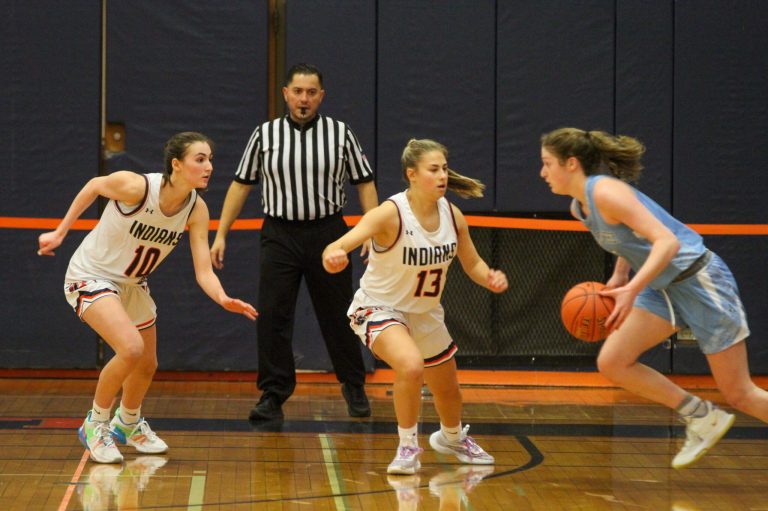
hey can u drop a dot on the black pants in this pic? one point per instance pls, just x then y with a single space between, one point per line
291 250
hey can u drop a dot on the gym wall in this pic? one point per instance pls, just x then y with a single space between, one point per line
486 78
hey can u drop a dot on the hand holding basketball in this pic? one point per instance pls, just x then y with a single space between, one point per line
584 311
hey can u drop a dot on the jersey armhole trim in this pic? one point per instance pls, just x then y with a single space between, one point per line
399 232
141 203
453 217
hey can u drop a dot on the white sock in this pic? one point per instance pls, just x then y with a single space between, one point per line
129 415
692 406
408 436
453 435
99 414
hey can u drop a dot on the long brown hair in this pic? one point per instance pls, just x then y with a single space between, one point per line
621 154
464 186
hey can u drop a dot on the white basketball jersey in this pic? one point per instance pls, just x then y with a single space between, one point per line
129 242
410 275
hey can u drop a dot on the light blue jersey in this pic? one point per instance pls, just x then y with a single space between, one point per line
705 298
622 241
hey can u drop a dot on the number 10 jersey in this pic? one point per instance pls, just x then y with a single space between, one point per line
129 242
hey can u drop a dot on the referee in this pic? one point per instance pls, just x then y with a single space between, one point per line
302 161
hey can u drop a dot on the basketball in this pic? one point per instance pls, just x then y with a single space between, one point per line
584 311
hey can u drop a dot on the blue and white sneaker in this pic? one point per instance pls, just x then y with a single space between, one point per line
96 437
138 435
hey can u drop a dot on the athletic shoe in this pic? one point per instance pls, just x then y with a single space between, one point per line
101 484
268 408
466 449
406 460
357 401
701 434
97 439
138 435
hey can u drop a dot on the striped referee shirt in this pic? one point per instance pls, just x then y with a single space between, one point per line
302 170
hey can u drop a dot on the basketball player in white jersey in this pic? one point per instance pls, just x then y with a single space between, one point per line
397 312
106 281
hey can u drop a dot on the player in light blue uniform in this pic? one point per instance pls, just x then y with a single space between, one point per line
676 282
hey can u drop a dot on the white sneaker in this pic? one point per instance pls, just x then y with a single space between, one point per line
97 439
406 461
466 449
701 434
138 435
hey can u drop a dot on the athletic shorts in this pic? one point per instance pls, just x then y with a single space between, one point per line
707 302
136 300
427 329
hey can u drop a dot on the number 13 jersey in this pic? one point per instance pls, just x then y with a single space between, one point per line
410 275
129 242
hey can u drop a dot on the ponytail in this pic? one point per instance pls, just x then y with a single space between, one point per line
464 186
620 154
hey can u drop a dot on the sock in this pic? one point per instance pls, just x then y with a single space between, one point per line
408 435
453 435
99 414
692 406
129 415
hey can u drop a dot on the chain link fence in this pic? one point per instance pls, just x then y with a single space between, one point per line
522 326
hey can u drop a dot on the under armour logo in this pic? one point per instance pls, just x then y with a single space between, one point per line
149 210
409 233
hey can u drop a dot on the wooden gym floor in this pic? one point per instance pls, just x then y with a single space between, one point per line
561 441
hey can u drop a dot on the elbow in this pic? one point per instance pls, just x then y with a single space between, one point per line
674 246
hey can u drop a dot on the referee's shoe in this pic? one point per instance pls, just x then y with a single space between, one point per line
268 408
357 401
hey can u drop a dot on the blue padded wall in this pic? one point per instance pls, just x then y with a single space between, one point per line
644 89
721 117
485 77
436 80
200 66
721 112
49 125
555 68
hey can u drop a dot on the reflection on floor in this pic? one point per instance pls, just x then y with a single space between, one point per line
561 447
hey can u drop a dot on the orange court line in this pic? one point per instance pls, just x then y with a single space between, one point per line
71 486
497 378
251 224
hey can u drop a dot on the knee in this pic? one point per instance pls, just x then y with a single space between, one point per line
132 351
610 364
411 370
147 364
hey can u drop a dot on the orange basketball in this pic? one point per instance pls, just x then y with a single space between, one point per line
584 311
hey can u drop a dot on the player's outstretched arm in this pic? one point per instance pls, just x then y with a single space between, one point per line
474 265
123 185
381 223
206 278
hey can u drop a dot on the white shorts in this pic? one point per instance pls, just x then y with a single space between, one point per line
135 299
427 329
